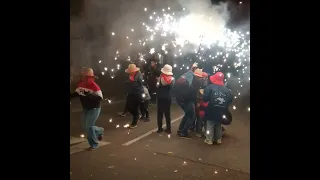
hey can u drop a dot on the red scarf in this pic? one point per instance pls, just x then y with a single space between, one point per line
90 85
166 78
131 76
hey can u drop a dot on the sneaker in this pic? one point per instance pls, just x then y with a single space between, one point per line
218 141
91 149
185 136
133 126
121 114
140 116
160 131
146 120
209 142
199 135
168 131
100 138
178 133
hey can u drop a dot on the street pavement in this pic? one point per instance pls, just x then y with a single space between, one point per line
141 153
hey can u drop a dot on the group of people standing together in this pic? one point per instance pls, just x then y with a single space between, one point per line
203 99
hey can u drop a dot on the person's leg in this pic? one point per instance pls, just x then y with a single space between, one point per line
135 113
199 125
133 108
84 120
146 110
125 109
185 117
190 118
217 132
209 133
142 110
93 131
160 112
167 114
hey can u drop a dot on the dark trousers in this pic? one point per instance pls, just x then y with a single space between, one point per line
153 96
163 108
125 110
188 118
144 108
133 107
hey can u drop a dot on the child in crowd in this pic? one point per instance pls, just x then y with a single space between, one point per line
200 123
145 104
164 86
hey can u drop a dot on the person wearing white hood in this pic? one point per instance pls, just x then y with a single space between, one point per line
164 86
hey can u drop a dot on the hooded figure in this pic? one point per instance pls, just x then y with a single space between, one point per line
164 85
90 97
219 98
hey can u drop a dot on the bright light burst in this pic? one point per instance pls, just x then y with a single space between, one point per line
180 33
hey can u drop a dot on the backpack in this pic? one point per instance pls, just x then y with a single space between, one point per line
182 86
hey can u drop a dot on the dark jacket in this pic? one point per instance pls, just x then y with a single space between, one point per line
151 75
219 98
135 87
89 101
164 91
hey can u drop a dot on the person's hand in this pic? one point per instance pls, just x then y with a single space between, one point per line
198 105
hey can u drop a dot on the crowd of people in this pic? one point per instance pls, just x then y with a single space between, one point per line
204 99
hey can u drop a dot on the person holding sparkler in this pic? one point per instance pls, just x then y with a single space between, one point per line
135 92
164 84
219 98
90 96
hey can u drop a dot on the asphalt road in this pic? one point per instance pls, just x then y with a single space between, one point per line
143 154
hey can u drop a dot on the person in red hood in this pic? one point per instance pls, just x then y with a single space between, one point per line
90 97
219 98
164 84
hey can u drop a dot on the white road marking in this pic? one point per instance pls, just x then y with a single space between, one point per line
75 140
148 133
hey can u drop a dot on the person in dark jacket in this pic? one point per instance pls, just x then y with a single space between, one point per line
152 73
219 98
135 92
186 99
164 84
90 96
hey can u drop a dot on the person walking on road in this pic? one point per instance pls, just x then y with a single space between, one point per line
164 85
186 89
144 105
219 98
135 92
90 96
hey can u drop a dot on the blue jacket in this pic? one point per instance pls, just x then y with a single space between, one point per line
219 98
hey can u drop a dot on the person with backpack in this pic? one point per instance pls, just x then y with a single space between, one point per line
219 98
90 96
164 85
186 89
135 92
